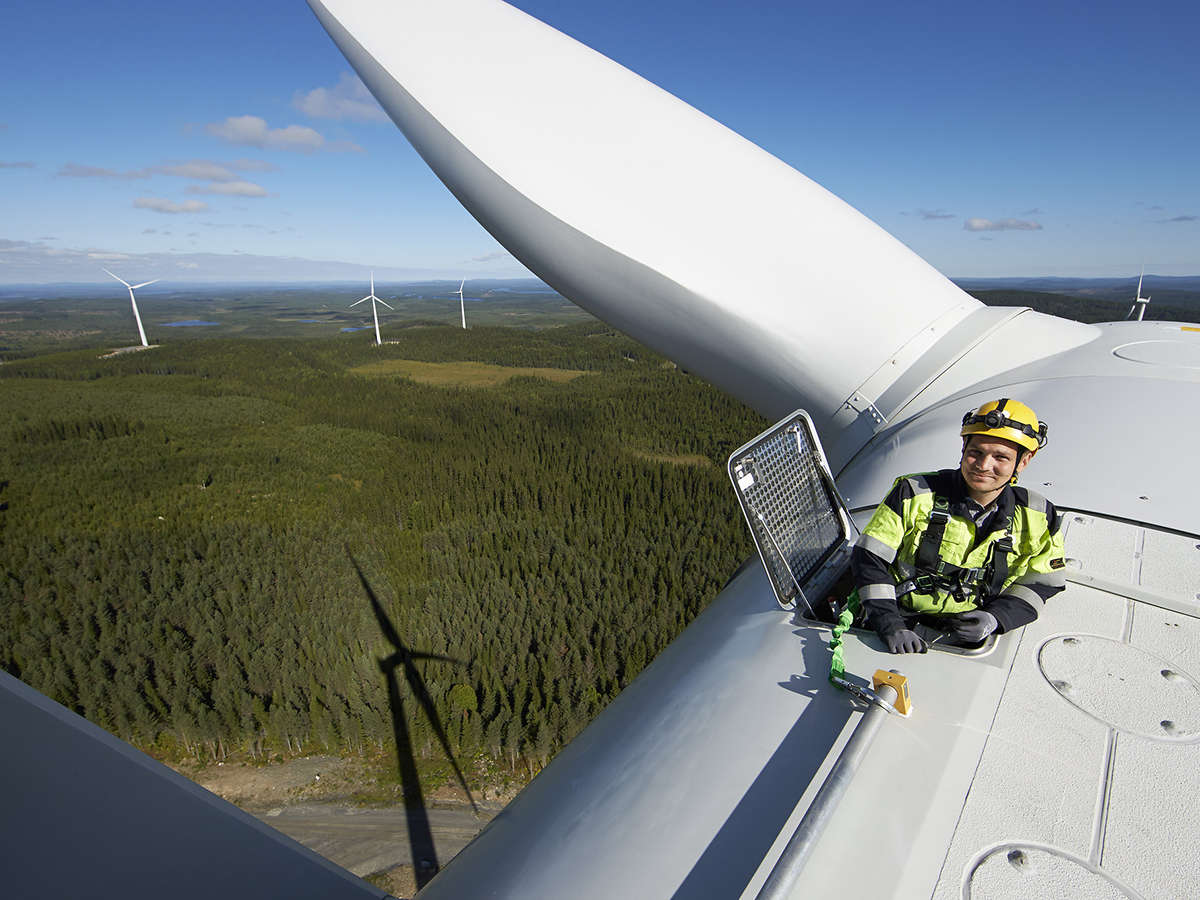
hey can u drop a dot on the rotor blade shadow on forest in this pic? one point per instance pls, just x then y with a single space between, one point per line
420 835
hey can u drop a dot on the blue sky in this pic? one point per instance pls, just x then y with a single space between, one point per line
230 141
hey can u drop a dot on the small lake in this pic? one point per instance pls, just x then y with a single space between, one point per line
188 324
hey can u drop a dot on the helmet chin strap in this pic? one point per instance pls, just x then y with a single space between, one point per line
1026 456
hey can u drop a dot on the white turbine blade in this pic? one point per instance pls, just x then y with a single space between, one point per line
122 280
385 303
601 202
356 302
672 228
143 284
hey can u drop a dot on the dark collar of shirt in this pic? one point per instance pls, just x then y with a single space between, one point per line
980 514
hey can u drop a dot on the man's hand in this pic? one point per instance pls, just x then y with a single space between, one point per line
973 626
904 642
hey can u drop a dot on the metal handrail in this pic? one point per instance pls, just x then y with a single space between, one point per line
791 863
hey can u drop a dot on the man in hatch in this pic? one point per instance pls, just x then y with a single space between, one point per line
964 546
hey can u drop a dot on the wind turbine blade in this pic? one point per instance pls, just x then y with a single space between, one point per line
385 303
356 302
418 688
143 284
122 280
561 201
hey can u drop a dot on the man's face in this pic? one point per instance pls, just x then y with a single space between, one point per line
989 463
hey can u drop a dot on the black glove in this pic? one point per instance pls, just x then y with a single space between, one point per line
904 642
973 626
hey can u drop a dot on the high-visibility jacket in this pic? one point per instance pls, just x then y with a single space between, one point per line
1024 531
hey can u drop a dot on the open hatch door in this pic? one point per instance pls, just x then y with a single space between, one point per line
799 521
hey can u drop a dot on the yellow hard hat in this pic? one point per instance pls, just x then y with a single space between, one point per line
1008 419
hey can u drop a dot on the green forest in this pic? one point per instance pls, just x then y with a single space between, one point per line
177 526
1090 309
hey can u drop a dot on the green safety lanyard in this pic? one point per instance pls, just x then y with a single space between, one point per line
837 668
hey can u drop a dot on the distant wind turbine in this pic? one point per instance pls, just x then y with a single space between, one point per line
1139 304
136 314
371 296
462 304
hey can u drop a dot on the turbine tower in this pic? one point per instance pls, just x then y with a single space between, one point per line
461 303
371 296
136 314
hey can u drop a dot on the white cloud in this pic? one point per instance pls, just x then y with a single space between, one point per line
975 223
251 131
24 164
27 262
162 205
211 170
198 170
231 188
488 257
348 99
344 147
74 170
253 165
194 169
30 260
934 214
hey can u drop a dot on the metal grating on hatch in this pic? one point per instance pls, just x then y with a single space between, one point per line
790 502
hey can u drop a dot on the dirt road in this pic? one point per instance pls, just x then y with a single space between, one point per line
367 841
317 801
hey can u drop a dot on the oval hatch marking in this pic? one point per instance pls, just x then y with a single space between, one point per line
1183 354
1029 870
1123 686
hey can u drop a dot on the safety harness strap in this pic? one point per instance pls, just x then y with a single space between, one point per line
934 573
999 562
929 558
